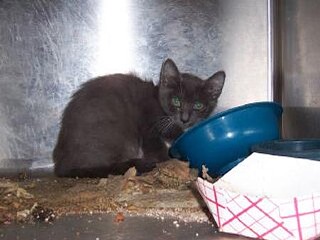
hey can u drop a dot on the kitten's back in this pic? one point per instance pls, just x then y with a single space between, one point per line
102 123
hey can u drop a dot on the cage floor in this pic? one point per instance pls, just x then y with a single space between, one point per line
162 204
104 226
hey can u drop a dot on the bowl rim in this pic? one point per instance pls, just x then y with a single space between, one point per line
225 113
264 146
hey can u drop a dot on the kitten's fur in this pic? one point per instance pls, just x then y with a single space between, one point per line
119 121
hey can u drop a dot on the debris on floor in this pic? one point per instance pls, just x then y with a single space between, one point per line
168 190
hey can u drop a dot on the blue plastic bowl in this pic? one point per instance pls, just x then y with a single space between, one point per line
223 140
299 148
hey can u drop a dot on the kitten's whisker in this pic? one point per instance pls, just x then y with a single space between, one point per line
163 124
166 125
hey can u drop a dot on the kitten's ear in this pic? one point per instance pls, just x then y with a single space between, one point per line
214 84
169 74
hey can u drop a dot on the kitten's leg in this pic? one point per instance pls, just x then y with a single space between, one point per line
154 151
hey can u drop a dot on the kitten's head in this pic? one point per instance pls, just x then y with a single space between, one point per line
185 98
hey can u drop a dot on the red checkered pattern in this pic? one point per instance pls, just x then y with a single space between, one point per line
302 215
262 217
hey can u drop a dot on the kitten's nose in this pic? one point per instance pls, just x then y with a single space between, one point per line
184 117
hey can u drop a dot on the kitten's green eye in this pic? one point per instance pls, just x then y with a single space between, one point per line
176 102
198 106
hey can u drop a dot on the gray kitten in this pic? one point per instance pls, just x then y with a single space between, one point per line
118 121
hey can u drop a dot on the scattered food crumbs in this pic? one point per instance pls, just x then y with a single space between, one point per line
119 217
41 214
205 174
176 224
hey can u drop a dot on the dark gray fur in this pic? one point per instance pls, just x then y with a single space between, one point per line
118 121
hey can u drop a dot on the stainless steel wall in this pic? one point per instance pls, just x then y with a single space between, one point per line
49 47
300 68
